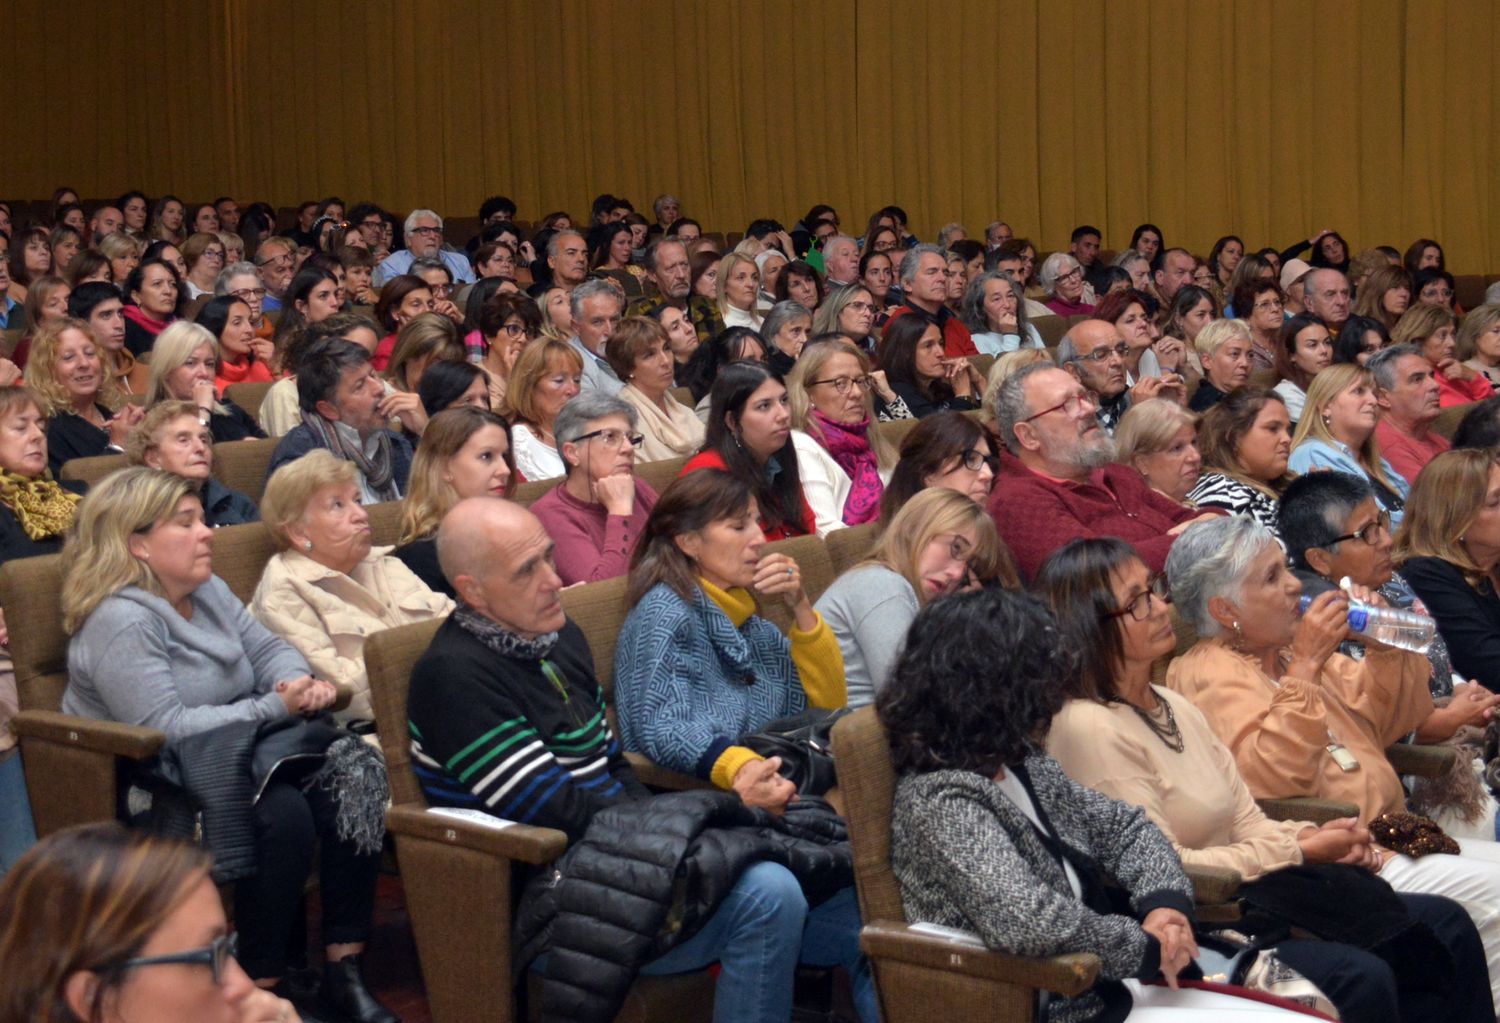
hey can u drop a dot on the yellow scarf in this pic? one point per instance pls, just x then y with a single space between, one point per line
43 507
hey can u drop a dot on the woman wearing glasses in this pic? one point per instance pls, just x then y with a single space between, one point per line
157 945
640 353
949 450
1062 283
597 513
848 310
507 322
203 255
1150 747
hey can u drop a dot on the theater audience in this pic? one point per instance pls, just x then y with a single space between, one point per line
158 640
547 375
850 311
243 281
1094 352
402 300
924 285
1158 439
312 296
172 438
1149 747
1360 338
422 341
784 331
1447 551
1431 330
465 452
341 400
596 515
938 543
1479 342
508 656
1191 309
184 366
327 589
917 370
446 384
949 450
423 233
279 411
1058 481
640 353
1296 713
1303 349
86 414
1385 296
1245 441
993 308
151 291
1337 431
1223 346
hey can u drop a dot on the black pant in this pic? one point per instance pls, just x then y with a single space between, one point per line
1364 990
268 906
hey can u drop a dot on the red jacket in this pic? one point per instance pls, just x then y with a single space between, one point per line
1036 515
714 460
957 341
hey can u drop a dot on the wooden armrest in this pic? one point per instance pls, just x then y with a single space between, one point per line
1068 975
515 842
110 737
344 698
1421 761
1306 808
1212 885
654 776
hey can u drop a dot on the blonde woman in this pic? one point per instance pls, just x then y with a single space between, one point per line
641 355
1158 439
1006 364
1479 342
184 367
327 589
1224 347
124 255
173 438
737 291
938 543
86 413
421 341
547 375
1337 431
465 452
1432 330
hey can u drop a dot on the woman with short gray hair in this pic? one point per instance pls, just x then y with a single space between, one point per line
596 514
1062 282
1303 719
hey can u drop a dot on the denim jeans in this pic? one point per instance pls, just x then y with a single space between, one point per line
17 833
759 934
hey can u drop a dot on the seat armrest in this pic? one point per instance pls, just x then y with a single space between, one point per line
520 842
1420 760
654 776
1212 885
132 741
1068 975
1306 808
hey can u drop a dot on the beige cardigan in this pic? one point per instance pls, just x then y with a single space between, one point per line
1279 730
1196 797
671 434
327 615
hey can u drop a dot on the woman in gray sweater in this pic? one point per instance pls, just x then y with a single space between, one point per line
989 835
160 641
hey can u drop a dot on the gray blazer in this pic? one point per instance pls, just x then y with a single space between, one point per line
598 375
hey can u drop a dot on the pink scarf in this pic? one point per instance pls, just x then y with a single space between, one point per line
850 447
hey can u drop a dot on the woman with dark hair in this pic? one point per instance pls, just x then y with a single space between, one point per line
507 323
1224 257
1131 313
30 258
800 282
1192 309
243 357
311 297
609 258
1147 240
737 344
1423 254
151 293
750 436
1258 302
1360 338
1149 747
134 209
911 356
402 299
446 384
1245 440
1385 295
948 450
480 292
877 273
1304 348
640 354
1433 287
1329 250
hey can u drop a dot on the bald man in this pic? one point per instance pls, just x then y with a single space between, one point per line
507 718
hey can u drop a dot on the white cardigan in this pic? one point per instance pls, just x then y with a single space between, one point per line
824 483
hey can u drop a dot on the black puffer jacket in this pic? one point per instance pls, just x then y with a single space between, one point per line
648 875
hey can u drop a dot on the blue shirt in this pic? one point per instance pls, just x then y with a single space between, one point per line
1320 454
398 263
7 307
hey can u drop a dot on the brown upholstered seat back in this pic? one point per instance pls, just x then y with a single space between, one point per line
31 594
241 465
811 555
389 657
599 610
848 547
91 470
868 783
385 523
249 396
240 556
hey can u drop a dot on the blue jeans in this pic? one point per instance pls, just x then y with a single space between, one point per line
17 833
759 934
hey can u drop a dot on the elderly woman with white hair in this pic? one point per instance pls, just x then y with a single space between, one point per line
184 366
1304 720
1062 282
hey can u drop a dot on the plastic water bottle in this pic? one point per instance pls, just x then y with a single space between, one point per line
1404 630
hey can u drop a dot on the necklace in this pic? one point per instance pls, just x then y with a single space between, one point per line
1161 721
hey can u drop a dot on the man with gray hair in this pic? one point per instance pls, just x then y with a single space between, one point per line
1326 296
924 281
598 512
950 233
568 259
1407 389
996 235
1095 353
841 260
597 310
1058 481
423 231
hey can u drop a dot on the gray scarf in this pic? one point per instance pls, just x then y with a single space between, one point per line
372 456
500 639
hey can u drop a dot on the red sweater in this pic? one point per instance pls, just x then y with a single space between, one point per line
957 341
1036 515
714 460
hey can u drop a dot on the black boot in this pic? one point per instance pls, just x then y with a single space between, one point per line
344 992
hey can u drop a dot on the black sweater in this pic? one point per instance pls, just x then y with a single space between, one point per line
1468 619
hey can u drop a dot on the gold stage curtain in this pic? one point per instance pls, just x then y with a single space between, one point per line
1268 119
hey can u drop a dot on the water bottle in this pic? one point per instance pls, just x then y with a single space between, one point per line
1404 630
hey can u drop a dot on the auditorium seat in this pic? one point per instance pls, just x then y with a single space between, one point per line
241 465
849 546
249 396
1468 289
811 555
1448 419
1052 328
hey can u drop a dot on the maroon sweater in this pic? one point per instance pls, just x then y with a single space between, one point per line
590 544
1036 515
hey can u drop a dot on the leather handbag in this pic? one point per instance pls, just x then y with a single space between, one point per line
802 743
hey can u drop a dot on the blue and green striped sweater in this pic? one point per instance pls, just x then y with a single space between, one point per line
522 739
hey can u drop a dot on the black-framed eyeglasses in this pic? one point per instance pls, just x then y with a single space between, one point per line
1072 405
612 438
515 329
1139 607
973 459
216 957
842 384
1368 535
1100 354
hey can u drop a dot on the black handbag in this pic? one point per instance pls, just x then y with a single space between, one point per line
802 743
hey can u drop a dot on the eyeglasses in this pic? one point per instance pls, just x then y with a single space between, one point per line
216 956
426 230
1267 305
515 329
213 254
842 384
440 290
973 459
1075 274
1139 607
861 307
1101 354
1368 535
284 259
1074 404
246 294
612 438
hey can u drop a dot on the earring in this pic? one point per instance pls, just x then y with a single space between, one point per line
307 545
1239 635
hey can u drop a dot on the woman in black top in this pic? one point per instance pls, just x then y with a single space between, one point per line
86 415
184 366
912 357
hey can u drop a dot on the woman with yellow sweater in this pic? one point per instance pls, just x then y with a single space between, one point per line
696 669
